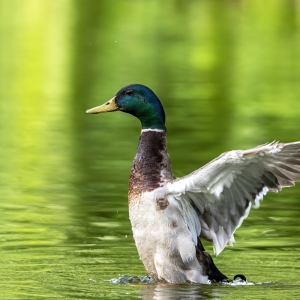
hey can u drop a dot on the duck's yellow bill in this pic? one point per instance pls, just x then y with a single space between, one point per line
106 107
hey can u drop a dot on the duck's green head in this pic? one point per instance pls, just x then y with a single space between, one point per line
139 101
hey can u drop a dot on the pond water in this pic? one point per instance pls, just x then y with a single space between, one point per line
228 76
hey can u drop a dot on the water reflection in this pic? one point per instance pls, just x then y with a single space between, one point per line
178 292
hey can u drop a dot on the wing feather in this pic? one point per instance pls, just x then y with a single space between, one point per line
215 199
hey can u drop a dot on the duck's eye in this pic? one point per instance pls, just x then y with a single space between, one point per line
129 92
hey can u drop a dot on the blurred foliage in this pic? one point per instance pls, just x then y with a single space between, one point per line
228 75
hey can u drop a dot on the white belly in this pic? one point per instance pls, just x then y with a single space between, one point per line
164 242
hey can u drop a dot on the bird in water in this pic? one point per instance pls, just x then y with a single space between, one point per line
169 215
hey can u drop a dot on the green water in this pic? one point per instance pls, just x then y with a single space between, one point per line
228 75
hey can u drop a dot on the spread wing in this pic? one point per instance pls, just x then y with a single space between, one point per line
216 198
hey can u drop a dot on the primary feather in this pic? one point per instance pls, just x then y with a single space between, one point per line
223 191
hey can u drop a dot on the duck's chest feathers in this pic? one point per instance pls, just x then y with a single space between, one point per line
151 167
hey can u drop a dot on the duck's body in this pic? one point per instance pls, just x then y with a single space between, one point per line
169 215
162 237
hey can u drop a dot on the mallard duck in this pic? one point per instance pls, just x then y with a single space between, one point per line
169 215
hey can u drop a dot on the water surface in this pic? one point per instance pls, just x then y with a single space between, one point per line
228 76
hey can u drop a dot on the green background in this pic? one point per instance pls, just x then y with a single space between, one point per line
227 73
